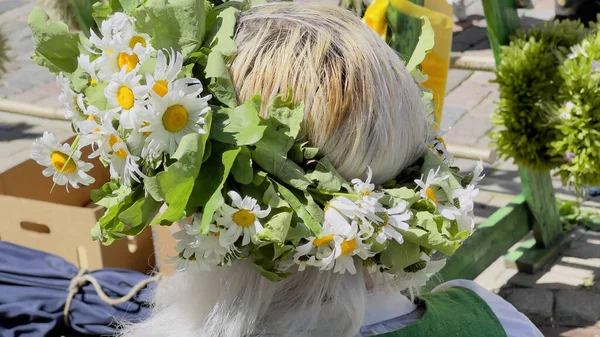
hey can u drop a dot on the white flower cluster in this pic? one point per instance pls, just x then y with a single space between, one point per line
198 252
128 115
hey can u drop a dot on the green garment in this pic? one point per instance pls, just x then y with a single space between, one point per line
452 312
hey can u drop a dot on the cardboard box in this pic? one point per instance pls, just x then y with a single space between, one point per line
164 247
60 223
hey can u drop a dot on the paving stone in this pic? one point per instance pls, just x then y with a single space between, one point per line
469 93
590 331
588 249
468 130
576 308
534 303
456 77
451 115
495 276
560 276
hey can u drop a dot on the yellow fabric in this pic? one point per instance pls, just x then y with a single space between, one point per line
436 63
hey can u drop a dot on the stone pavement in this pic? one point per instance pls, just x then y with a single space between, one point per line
559 299
26 82
564 298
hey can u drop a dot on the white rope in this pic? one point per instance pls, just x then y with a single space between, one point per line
82 279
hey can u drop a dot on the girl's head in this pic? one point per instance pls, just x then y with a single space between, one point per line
361 105
362 108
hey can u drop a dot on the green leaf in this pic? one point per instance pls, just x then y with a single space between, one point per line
110 194
208 187
95 96
242 167
129 6
263 257
221 21
55 47
328 177
399 256
272 198
287 117
140 213
238 126
431 234
221 85
425 44
101 12
394 195
175 184
305 207
79 80
276 229
177 24
283 125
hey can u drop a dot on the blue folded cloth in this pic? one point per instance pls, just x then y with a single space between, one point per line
34 287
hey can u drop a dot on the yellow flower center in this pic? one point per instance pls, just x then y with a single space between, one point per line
348 247
135 40
175 118
112 141
127 60
367 192
59 161
109 52
93 81
323 241
161 88
431 195
147 133
125 97
217 234
243 218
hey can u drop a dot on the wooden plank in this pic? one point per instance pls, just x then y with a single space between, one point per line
502 21
528 258
491 240
540 197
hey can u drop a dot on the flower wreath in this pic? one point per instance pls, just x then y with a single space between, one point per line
136 94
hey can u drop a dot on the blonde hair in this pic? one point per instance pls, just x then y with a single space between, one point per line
362 108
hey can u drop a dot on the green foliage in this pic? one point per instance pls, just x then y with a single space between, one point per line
579 130
177 24
55 47
571 215
528 78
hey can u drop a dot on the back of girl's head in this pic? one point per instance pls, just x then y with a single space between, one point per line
361 105
361 108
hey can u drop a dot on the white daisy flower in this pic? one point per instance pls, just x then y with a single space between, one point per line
366 188
427 191
174 116
161 82
438 146
393 219
123 164
114 26
339 213
89 67
191 263
352 245
306 254
217 243
128 60
462 210
68 99
125 93
242 219
50 153
415 277
477 173
565 111
578 50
